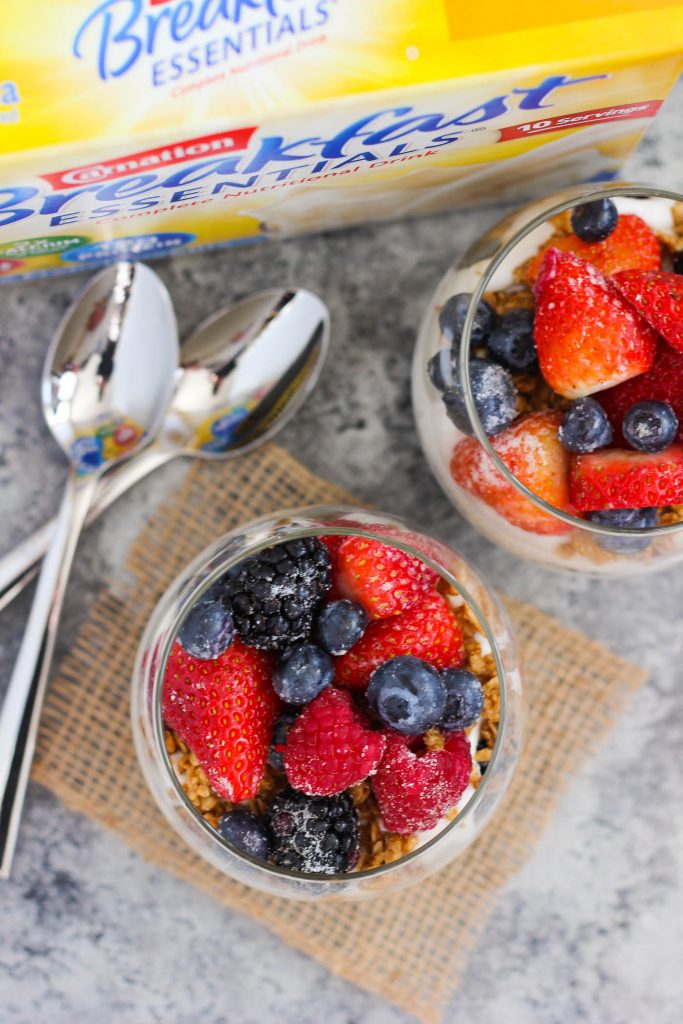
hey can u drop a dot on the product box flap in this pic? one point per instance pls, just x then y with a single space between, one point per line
120 69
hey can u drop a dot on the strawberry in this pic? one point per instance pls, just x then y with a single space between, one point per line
224 710
663 383
612 478
385 581
531 450
632 245
588 337
414 790
331 745
658 297
428 630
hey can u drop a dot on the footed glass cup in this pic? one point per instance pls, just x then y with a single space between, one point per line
575 545
148 729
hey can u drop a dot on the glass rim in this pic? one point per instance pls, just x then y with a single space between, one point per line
150 637
558 202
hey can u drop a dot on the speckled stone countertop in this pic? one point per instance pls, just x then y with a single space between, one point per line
590 930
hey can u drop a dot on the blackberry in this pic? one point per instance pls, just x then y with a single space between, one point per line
275 596
318 834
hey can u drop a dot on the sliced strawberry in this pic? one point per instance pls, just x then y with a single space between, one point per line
612 478
428 630
588 337
415 789
224 710
531 449
632 245
331 745
663 383
658 297
384 580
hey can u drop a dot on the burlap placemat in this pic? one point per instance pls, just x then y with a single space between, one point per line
411 948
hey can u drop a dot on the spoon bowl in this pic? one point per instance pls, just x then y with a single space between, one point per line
104 393
244 373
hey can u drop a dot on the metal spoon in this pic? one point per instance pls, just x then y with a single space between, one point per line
107 380
245 371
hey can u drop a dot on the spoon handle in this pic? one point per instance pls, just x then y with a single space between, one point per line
20 566
24 697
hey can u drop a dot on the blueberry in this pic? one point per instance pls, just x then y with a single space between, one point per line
585 427
442 369
302 674
208 628
511 342
593 222
245 831
340 626
464 699
650 426
285 721
677 262
625 519
495 398
452 319
407 695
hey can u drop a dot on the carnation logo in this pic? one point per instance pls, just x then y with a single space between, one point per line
84 175
151 159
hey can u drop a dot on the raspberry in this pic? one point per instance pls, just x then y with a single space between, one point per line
331 746
428 631
413 789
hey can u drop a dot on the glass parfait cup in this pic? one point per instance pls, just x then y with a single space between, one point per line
148 727
571 543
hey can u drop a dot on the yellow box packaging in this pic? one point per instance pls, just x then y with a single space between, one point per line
133 128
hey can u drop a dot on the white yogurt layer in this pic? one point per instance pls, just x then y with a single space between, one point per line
439 435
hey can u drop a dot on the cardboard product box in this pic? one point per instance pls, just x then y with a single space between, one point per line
135 128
